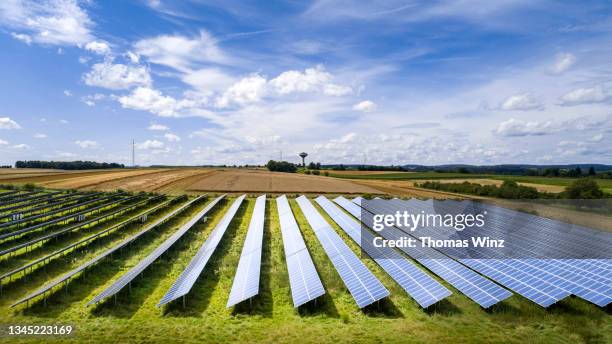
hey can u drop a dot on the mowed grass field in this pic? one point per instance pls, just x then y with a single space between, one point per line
271 318
605 184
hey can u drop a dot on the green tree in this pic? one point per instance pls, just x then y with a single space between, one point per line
591 171
585 188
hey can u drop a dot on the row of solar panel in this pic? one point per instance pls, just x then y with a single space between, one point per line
538 280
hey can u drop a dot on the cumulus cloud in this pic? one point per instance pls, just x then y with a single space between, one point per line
365 106
310 80
563 62
597 138
148 99
590 95
172 137
40 136
248 90
55 22
181 52
150 144
117 76
521 102
3 142
21 146
7 123
157 127
98 47
68 93
513 127
86 143
22 37
91 99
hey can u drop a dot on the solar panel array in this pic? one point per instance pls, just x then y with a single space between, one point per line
361 283
532 278
79 225
425 290
36 206
471 284
29 229
187 279
303 277
63 278
43 260
246 280
143 264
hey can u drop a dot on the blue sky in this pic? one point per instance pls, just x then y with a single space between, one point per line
234 82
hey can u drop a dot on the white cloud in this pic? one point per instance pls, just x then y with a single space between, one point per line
68 93
585 96
55 22
172 137
596 138
365 106
158 127
22 37
180 52
7 123
3 142
150 144
208 79
311 80
117 76
63 121
248 90
148 99
134 58
21 146
91 99
563 62
86 144
513 127
98 47
40 136
522 102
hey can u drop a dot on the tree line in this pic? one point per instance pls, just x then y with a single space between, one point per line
585 188
67 165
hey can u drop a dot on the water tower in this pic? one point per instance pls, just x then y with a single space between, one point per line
303 155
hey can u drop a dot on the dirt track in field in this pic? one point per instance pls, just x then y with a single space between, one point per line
275 182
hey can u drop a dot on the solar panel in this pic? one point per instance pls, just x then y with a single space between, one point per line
246 280
143 264
95 260
41 204
67 217
85 241
303 277
16 197
531 278
420 286
79 225
51 213
471 284
187 279
361 283
503 272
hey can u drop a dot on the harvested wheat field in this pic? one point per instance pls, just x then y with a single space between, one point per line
407 189
91 180
364 173
166 180
276 182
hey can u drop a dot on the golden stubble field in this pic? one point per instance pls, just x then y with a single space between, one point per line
193 180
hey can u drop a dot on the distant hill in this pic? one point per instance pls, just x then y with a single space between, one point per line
498 169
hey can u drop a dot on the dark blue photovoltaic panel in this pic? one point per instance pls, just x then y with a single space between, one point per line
303 277
361 283
471 284
424 289
246 280
187 279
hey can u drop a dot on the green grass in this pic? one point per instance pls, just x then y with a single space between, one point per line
271 317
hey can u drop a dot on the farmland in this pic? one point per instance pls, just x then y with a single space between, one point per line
271 317
550 184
